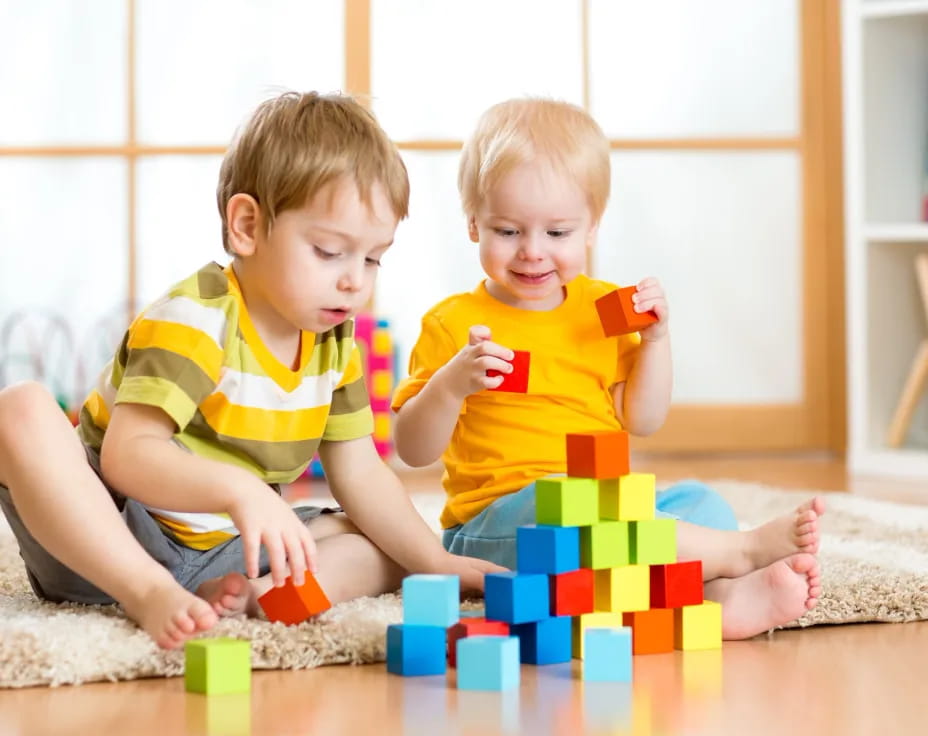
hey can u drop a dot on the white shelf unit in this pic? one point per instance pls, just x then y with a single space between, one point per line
885 68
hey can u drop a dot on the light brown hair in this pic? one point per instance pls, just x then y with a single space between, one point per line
518 131
295 144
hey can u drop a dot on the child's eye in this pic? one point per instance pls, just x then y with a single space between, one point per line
558 233
372 262
324 254
506 232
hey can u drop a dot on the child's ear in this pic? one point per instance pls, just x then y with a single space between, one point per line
472 229
243 216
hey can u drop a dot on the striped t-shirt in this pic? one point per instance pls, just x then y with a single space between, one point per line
196 355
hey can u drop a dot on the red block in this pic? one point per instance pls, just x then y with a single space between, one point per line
472 627
517 381
676 584
652 631
572 592
292 605
617 313
597 454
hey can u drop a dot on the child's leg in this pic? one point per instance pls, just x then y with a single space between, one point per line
706 531
349 566
69 514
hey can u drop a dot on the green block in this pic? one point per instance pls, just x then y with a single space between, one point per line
567 501
653 542
217 666
605 544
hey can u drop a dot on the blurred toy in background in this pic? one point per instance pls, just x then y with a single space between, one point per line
378 357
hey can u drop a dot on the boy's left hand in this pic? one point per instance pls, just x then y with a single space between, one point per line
650 297
469 569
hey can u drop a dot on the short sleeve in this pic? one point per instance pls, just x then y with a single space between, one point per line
432 350
350 415
171 358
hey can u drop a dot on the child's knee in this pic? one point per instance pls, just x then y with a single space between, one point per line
23 406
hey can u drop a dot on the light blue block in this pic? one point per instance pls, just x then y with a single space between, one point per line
516 598
608 655
547 549
431 600
416 650
488 663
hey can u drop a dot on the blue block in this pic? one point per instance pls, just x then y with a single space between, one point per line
431 600
488 663
608 655
516 598
545 642
547 549
416 650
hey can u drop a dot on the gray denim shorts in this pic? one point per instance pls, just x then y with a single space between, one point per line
53 581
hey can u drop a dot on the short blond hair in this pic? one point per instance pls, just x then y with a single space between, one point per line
518 131
295 144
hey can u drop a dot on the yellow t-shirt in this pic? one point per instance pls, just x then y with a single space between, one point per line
504 441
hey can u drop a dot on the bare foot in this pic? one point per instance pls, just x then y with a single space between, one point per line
767 598
170 614
230 595
794 532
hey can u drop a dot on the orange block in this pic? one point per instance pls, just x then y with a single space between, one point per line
293 605
597 454
652 631
617 313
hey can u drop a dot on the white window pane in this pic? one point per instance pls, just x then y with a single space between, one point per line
62 257
55 57
669 68
432 256
436 66
722 232
202 67
179 229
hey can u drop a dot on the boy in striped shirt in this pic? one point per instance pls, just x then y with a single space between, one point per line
166 498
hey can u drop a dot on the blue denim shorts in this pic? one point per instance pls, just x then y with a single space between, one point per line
491 535
53 581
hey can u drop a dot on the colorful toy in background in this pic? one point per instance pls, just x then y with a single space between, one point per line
597 579
379 359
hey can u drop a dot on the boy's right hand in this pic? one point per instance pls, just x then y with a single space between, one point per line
466 372
263 517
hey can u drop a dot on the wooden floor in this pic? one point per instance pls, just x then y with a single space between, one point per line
848 680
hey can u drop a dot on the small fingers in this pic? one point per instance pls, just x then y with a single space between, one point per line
296 557
277 559
251 548
478 334
309 549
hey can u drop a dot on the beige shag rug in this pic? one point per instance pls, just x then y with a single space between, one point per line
874 561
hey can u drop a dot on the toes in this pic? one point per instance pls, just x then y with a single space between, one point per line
818 505
183 623
803 563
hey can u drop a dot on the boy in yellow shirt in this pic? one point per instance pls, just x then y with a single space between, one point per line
534 180
225 387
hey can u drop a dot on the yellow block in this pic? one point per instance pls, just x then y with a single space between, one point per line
381 427
698 627
381 384
630 497
600 620
383 343
626 588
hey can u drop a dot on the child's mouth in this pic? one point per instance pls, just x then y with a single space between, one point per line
532 279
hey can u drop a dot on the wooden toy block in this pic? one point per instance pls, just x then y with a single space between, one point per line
414 650
653 542
517 381
217 666
609 655
652 630
617 313
566 501
597 454
605 544
630 497
677 584
547 549
516 598
572 592
545 642
596 620
621 589
431 600
488 663
382 427
698 627
290 604
472 626
381 384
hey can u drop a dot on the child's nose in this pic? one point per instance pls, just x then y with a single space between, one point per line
530 248
352 278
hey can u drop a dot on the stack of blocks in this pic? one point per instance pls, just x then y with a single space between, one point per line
378 358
